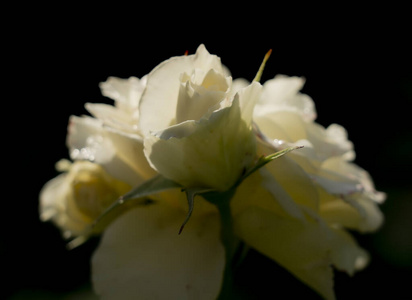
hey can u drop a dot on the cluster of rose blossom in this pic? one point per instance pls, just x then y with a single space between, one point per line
191 123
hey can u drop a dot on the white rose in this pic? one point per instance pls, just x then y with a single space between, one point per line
319 192
197 131
196 128
113 138
76 198
286 117
107 146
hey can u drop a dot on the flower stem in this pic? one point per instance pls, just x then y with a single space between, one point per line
230 244
227 236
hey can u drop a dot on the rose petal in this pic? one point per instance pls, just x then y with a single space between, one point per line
300 248
356 212
88 139
248 98
113 117
261 190
194 100
129 148
159 100
213 155
307 249
141 256
347 256
126 92
289 175
282 94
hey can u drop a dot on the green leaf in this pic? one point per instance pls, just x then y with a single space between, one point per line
138 196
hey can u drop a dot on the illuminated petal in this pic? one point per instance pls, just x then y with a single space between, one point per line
209 153
238 84
55 206
205 155
126 92
159 100
129 148
87 139
282 93
113 117
286 126
141 256
196 100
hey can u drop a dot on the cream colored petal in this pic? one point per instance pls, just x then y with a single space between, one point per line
56 205
289 127
213 155
238 84
283 125
125 91
113 117
282 94
85 139
88 139
355 212
248 98
159 100
289 175
281 89
372 217
271 130
252 193
205 61
299 247
329 142
129 148
281 195
346 255
335 183
195 100
306 249
350 172
50 204
141 256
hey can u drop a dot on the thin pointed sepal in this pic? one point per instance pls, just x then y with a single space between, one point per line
190 194
262 66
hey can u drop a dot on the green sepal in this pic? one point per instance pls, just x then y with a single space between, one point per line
138 196
190 194
263 160
262 66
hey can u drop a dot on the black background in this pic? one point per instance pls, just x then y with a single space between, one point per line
358 71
